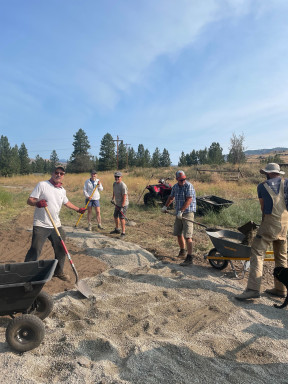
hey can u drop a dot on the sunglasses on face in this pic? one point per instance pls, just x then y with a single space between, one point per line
182 180
117 177
59 173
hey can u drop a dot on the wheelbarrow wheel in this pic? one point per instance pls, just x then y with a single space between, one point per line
218 264
25 332
42 306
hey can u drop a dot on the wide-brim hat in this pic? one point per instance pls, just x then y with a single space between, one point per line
272 168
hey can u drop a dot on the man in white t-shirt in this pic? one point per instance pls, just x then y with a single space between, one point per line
51 194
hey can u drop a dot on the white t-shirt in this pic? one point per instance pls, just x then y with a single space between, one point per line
55 198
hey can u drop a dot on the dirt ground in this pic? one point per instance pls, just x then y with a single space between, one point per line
16 240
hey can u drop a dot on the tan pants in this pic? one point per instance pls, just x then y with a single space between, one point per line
258 251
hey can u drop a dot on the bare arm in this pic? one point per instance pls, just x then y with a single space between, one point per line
32 201
186 204
71 206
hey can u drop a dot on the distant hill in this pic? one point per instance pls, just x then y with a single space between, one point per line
264 151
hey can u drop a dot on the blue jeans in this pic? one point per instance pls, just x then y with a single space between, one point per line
39 237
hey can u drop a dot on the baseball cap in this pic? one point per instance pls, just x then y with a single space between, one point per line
119 174
180 175
93 172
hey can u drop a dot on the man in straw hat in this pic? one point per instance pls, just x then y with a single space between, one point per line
273 198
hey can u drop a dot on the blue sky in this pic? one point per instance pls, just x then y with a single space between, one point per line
174 74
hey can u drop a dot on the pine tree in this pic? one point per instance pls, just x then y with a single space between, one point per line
155 161
122 156
5 156
140 156
39 164
15 161
182 160
80 160
54 160
132 157
165 159
107 157
25 167
215 155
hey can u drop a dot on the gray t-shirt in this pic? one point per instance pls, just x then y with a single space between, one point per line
120 189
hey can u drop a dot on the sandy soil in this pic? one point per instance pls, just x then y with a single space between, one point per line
149 321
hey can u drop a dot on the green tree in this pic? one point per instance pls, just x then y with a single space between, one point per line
165 158
107 157
236 153
122 155
132 157
147 158
182 160
5 156
25 167
202 156
54 160
156 158
39 164
140 156
214 155
80 160
15 161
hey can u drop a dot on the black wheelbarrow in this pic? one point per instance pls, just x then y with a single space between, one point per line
211 203
21 299
228 246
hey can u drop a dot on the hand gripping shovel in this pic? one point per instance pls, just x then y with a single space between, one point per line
129 222
80 217
80 285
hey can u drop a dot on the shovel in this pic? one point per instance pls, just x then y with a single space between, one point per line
80 217
80 285
129 222
196 222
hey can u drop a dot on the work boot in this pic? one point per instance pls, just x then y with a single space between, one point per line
275 292
182 253
89 228
100 226
62 276
188 261
248 294
116 231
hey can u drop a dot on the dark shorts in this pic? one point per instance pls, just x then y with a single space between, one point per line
93 203
117 212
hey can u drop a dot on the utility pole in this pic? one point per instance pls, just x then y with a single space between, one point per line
127 145
118 140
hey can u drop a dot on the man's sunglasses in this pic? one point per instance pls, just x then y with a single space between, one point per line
117 177
59 173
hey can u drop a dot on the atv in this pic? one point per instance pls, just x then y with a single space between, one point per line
158 193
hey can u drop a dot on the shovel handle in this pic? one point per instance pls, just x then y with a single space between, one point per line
63 244
192 221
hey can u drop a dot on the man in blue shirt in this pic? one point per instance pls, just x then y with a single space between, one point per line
273 198
185 205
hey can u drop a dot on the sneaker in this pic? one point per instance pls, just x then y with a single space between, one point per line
275 292
62 276
187 261
248 294
89 228
122 234
182 253
100 226
116 231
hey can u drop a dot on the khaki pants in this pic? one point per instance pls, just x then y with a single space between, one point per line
258 252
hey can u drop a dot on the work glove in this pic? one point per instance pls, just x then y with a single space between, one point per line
179 215
164 209
81 210
41 204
